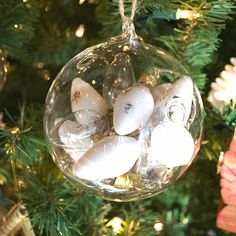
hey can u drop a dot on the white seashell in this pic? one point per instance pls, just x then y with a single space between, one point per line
132 109
84 96
78 138
160 91
176 107
73 134
76 153
111 157
171 145
85 117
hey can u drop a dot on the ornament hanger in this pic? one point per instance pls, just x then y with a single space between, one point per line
122 10
127 21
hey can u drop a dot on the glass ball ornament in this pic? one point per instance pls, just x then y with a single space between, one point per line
123 119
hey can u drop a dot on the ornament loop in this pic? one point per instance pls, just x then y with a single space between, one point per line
128 27
122 10
127 21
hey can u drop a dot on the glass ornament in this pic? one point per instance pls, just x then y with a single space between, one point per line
123 119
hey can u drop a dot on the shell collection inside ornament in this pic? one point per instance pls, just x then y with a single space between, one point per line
109 158
123 119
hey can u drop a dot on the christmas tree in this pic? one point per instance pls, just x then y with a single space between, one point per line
37 37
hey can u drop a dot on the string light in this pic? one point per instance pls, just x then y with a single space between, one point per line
14 130
16 26
2 58
185 220
116 224
81 2
46 76
21 184
158 226
125 48
80 31
187 14
25 0
177 14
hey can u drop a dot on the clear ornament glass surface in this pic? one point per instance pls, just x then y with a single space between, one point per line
123 119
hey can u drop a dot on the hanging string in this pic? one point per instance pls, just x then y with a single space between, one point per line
122 9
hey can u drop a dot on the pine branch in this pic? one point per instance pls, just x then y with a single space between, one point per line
112 23
16 27
57 208
26 35
213 140
48 203
229 115
19 143
195 41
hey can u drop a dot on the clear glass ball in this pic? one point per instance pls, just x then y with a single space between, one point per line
123 119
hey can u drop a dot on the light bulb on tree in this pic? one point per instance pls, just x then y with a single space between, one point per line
80 31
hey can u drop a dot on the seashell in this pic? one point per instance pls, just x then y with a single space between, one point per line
84 96
72 134
176 106
75 143
111 157
76 153
85 117
171 145
77 137
132 110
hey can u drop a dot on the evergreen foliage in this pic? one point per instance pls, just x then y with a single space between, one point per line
38 38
